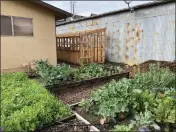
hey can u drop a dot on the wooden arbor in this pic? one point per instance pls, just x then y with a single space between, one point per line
82 47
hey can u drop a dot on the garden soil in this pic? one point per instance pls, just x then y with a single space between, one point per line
76 94
144 67
73 125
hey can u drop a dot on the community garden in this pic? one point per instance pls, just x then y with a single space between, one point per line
106 99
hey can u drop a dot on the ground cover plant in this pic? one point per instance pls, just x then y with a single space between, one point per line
147 98
26 105
63 73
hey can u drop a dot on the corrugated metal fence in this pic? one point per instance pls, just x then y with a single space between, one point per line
132 38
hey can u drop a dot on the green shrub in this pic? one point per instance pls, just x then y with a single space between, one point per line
26 105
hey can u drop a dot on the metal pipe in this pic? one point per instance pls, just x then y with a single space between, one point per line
128 3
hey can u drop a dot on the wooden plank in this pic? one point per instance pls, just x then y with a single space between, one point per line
91 50
94 48
81 49
57 122
101 47
68 56
97 46
59 42
93 128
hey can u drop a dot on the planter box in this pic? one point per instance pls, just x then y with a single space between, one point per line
96 126
66 121
92 128
56 122
88 81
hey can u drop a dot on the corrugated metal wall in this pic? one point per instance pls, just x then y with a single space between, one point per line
133 38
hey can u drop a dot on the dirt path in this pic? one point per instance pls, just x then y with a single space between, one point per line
76 94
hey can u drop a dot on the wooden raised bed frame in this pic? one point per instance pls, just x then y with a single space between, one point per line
65 120
88 81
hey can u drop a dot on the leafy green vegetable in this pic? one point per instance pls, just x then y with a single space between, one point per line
26 105
113 98
51 75
137 96
165 111
63 73
93 70
156 77
144 119
145 100
141 120
123 128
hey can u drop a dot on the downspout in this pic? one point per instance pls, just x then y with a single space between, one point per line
128 3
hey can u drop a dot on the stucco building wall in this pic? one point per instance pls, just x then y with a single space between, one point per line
17 50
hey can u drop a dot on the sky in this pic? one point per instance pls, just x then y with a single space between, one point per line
85 8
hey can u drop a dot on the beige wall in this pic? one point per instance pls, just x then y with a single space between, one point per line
21 49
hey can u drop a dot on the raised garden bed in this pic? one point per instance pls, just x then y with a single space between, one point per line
133 104
50 126
63 75
27 105
94 120
88 81
107 126
73 123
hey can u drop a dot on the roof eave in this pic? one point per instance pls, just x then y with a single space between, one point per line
59 13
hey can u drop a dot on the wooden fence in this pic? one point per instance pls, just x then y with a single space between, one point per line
82 47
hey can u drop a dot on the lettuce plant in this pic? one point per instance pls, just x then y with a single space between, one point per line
165 110
26 105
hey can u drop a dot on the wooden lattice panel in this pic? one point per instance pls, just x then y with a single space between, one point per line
82 47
